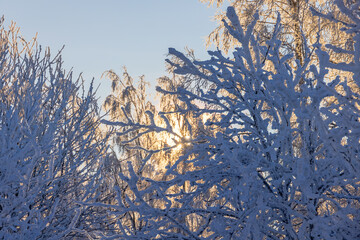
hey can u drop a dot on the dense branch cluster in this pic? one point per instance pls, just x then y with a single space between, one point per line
279 156
50 150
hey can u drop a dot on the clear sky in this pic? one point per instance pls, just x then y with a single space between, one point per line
109 34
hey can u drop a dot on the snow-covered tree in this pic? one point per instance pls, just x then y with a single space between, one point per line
281 160
148 150
298 23
51 149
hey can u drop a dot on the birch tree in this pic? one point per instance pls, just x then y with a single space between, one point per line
139 152
298 24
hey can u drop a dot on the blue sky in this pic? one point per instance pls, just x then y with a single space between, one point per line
109 34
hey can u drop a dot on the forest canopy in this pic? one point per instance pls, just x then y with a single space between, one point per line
260 141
